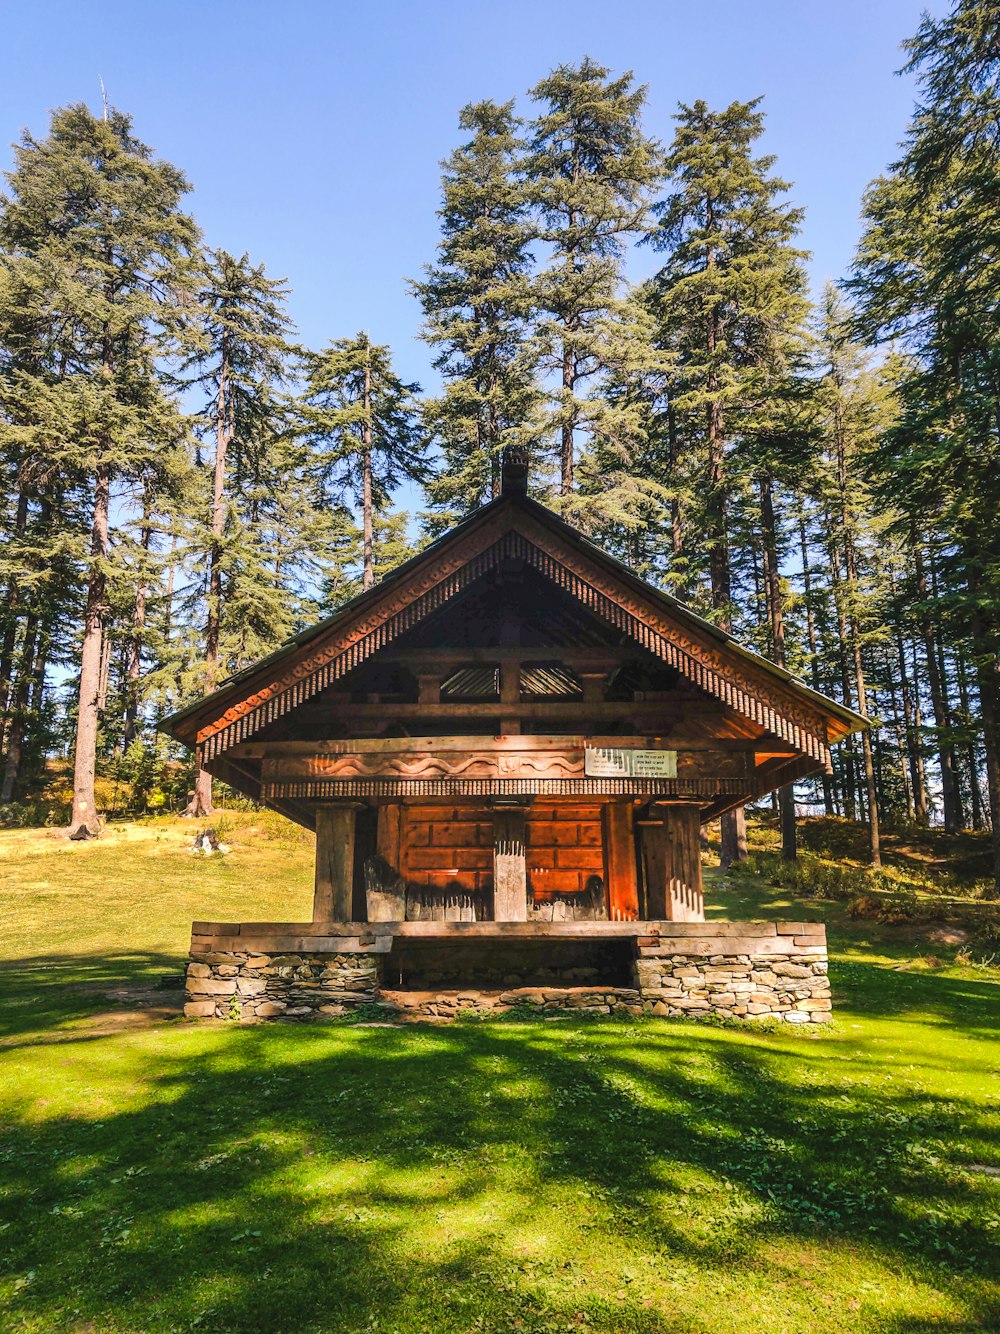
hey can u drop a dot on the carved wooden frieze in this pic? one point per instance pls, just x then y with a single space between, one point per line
508 758
422 764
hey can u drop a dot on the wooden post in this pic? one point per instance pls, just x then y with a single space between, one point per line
619 862
510 877
334 897
389 836
653 845
685 901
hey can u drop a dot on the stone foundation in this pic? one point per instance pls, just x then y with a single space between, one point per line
736 970
234 985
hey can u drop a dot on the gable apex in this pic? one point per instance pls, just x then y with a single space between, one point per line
514 526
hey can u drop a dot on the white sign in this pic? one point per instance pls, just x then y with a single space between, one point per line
611 762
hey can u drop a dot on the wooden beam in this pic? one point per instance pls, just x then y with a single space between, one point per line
510 877
345 707
333 899
685 901
460 657
442 744
619 861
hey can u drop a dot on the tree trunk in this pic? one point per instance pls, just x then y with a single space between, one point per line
911 728
920 781
201 803
975 788
733 823
734 837
10 619
367 518
946 760
807 598
988 682
847 757
776 625
134 666
19 708
566 450
84 816
676 513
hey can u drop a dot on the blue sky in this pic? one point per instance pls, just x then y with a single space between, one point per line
312 132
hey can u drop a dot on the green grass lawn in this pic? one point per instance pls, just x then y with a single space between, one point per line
517 1175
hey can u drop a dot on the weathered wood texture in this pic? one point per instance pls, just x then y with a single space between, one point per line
510 882
653 851
335 829
486 758
620 861
685 900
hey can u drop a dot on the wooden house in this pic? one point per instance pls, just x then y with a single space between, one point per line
511 736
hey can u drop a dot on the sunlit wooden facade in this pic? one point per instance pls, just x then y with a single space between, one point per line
512 727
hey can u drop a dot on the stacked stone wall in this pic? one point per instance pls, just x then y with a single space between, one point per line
735 970
778 984
238 985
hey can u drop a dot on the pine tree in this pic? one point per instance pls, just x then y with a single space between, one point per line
92 229
363 423
928 275
242 364
856 407
477 301
730 304
589 171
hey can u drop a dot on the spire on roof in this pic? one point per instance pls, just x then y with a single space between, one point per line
514 470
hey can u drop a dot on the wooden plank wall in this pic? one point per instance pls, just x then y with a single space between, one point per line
444 847
565 848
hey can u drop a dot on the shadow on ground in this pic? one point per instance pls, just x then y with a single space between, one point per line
492 1176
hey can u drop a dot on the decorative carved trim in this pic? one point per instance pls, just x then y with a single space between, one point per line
404 605
484 761
414 765
700 663
320 789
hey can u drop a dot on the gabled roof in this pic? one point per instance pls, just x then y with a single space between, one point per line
514 525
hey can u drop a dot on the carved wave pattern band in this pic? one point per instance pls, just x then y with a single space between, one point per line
432 766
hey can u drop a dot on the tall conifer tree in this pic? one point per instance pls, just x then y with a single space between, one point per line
476 300
363 422
928 274
590 170
94 223
731 303
241 364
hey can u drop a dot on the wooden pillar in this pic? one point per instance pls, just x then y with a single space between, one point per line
685 901
389 835
510 877
619 861
334 895
653 846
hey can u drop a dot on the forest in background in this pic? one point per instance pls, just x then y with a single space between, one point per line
185 485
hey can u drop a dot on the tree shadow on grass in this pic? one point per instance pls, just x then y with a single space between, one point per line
492 1176
43 998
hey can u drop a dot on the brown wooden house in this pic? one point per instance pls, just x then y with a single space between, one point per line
510 728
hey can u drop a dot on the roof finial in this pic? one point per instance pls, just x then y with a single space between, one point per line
514 470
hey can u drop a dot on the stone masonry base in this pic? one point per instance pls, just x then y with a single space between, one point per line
737 970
